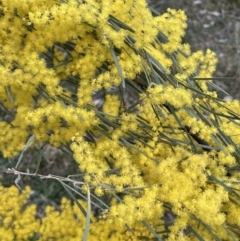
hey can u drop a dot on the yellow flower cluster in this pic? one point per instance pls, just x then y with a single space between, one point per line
111 105
34 29
17 222
177 97
173 25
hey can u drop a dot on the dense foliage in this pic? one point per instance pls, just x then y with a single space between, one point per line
163 148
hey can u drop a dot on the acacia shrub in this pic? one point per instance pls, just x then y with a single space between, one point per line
169 162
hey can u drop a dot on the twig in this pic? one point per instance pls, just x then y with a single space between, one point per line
49 176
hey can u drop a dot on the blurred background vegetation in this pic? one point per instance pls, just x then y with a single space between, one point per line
215 25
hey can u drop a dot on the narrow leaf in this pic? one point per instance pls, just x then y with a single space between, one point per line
121 24
87 225
217 87
230 233
214 78
151 230
182 53
39 159
25 148
66 187
9 93
195 233
229 189
117 65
